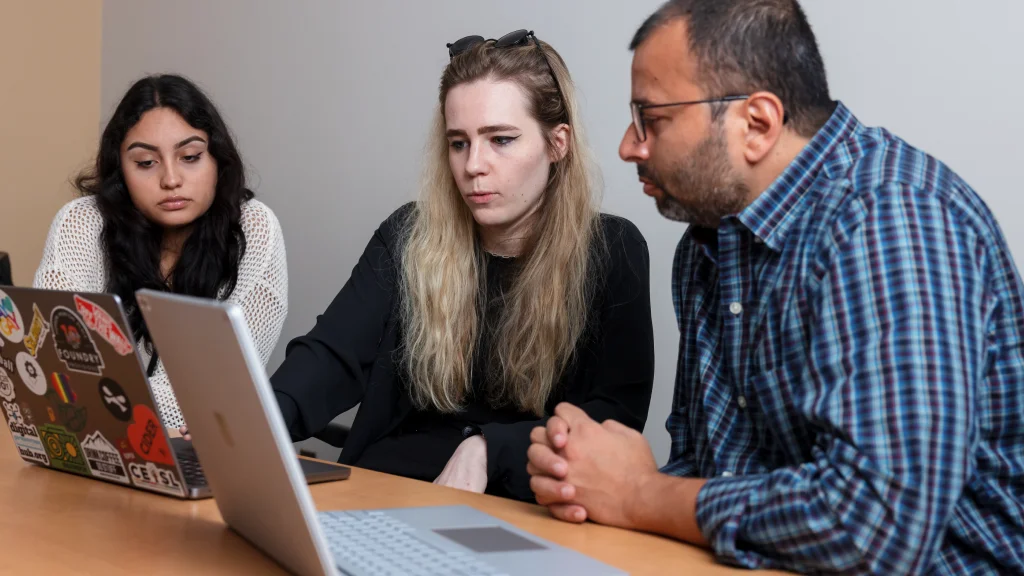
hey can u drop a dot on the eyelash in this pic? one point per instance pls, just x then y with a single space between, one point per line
499 140
190 159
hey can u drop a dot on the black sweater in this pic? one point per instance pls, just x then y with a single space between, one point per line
351 356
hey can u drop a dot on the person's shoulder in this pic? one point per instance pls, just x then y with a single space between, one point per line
258 214
394 226
80 217
620 233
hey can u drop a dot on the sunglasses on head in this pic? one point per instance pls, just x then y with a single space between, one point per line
517 38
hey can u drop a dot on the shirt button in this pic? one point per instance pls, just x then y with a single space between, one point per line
758 240
726 474
467 431
736 308
742 401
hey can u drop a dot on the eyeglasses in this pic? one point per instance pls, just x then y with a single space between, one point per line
637 109
517 38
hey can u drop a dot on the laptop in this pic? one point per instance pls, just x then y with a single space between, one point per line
75 396
240 435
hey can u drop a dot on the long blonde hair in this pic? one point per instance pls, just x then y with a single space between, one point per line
443 285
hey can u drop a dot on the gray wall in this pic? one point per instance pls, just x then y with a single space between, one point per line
330 102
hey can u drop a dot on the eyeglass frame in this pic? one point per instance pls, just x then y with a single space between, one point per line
636 110
506 42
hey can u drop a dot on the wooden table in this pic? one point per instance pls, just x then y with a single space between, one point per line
53 522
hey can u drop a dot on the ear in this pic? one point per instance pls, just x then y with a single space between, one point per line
765 119
560 142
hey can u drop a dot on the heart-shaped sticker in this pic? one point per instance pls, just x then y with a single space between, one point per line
146 438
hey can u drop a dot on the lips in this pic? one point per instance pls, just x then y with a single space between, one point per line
174 203
650 188
481 197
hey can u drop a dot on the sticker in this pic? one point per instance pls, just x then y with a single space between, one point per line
62 386
11 325
115 400
74 343
26 436
147 437
36 332
27 412
104 459
125 448
99 321
6 386
149 477
63 449
6 363
71 416
31 374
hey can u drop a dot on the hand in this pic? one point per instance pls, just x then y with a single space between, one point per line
467 468
184 433
597 473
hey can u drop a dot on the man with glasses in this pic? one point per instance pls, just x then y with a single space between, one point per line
850 384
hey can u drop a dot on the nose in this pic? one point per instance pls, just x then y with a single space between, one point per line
171 177
476 160
630 148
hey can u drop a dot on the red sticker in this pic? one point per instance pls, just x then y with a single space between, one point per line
147 439
99 321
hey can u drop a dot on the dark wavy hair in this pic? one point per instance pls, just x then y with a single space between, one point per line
209 260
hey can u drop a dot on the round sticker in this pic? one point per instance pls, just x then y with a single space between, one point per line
31 374
6 386
11 326
115 400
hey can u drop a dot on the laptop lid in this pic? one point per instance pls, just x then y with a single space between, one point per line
236 427
74 393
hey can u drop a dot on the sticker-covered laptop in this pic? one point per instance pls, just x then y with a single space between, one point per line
75 396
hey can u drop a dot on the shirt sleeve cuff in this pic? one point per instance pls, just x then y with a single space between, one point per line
721 504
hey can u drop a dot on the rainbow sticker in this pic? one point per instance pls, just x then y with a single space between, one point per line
62 385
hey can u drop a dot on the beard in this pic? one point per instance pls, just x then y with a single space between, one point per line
701 188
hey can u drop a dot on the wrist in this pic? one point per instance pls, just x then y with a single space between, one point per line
640 495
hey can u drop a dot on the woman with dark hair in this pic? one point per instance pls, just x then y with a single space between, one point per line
166 208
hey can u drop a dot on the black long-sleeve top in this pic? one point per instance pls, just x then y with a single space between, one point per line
352 356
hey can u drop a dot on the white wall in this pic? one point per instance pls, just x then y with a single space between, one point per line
330 102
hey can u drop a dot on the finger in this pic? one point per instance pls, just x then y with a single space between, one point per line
547 462
573 415
539 435
568 512
616 427
558 432
550 491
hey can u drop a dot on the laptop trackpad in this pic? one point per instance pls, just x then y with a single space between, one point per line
488 539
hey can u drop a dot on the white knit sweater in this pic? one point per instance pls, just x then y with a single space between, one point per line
74 260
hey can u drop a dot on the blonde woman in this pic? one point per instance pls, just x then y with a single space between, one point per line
501 292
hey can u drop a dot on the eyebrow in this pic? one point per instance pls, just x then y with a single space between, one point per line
484 130
188 140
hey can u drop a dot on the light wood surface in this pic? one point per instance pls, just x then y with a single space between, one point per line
53 522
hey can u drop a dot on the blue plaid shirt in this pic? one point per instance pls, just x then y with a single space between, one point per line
851 369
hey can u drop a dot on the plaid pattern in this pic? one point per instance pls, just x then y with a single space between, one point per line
851 369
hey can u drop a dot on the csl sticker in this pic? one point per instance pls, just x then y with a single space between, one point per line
6 386
11 325
63 449
104 460
115 400
148 438
149 477
99 321
31 374
36 332
26 436
74 343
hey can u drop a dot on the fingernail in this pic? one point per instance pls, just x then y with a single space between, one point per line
559 438
560 469
578 515
566 492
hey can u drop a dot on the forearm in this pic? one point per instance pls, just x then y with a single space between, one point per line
667 505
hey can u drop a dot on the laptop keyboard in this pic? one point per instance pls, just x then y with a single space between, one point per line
365 543
190 468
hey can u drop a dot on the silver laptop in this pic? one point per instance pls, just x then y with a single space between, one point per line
76 398
241 438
